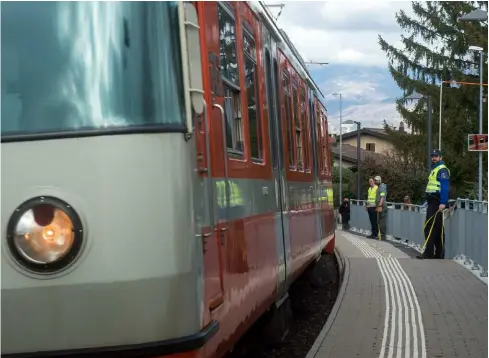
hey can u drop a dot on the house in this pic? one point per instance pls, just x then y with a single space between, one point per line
374 142
349 155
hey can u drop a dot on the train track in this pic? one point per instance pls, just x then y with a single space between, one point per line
313 297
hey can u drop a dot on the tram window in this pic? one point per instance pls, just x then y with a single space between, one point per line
228 46
234 121
89 65
298 130
271 109
288 117
278 112
305 136
325 145
251 83
319 121
313 134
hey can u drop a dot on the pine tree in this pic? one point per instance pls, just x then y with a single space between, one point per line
436 47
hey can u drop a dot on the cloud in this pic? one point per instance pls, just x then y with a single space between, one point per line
345 34
370 115
342 32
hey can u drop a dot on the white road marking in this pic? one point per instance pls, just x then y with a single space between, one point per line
402 306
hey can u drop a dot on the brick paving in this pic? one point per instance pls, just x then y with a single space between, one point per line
454 306
451 301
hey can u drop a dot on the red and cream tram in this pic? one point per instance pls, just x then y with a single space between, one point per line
166 176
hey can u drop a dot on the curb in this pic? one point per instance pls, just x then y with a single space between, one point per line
344 268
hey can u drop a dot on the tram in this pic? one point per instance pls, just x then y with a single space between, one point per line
166 176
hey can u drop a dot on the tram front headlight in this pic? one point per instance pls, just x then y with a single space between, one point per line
45 234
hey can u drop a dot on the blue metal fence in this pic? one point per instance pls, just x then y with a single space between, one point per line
466 228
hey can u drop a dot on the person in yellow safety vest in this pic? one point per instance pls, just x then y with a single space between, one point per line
330 197
437 191
372 214
381 207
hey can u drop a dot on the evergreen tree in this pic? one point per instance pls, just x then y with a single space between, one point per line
435 48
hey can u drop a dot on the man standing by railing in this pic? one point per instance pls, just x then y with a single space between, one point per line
381 204
372 215
437 191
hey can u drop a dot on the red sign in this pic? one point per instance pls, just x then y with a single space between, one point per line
477 142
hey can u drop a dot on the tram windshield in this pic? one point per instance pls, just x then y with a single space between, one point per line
70 66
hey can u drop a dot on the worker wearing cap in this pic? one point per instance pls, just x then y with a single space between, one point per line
436 192
381 207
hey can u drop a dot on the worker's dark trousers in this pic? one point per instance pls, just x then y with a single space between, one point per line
372 215
382 219
435 241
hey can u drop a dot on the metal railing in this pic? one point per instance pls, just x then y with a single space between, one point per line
466 228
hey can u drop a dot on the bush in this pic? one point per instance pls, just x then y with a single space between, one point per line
400 177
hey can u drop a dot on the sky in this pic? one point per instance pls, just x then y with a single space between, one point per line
345 34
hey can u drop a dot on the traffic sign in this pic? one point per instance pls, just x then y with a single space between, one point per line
477 142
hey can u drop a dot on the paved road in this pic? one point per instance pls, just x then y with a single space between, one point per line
395 306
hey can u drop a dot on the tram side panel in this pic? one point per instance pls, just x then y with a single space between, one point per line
241 175
325 190
300 188
329 211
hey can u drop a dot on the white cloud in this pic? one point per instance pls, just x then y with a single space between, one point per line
342 32
346 33
356 90
369 115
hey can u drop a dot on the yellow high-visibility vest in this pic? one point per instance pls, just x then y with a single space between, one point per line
372 193
330 196
434 185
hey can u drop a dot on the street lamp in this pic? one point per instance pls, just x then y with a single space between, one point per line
341 147
478 15
416 96
359 194
481 95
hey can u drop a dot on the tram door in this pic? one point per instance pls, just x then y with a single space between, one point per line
276 142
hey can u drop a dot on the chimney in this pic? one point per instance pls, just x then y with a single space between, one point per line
401 127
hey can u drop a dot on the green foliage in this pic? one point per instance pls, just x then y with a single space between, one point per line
433 43
400 177
347 177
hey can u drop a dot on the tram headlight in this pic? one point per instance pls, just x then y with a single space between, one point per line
45 234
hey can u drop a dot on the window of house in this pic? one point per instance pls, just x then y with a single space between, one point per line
288 117
298 129
251 83
230 78
371 147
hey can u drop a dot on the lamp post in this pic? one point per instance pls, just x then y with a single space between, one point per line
416 96
359 194
478 15
341 147
481 95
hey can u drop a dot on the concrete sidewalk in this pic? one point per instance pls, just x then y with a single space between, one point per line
393 305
